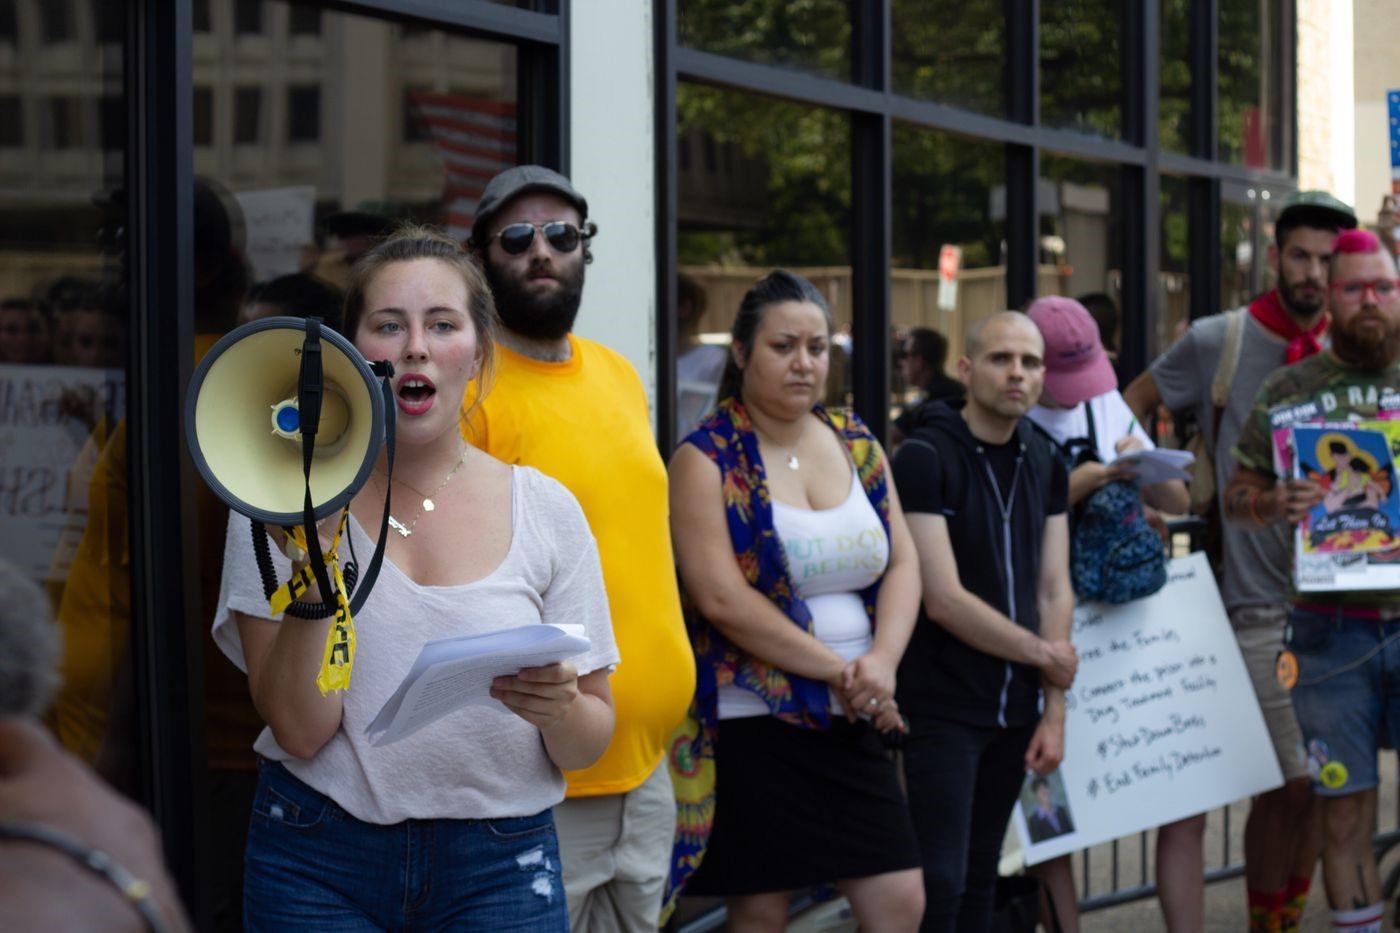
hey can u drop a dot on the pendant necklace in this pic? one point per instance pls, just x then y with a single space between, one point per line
428 503
792 462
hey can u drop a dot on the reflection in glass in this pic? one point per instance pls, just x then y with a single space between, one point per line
1236 254
1081 58
950 204
814 35
1249 101
63 375
951 52
1080 242
1173 285
769 186
1174 117
306 165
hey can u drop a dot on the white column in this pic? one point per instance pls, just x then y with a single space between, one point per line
612 165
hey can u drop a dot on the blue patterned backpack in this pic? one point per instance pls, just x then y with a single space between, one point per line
1115 555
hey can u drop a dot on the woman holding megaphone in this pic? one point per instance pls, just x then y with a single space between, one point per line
451 826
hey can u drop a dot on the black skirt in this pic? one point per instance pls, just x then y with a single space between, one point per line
799 807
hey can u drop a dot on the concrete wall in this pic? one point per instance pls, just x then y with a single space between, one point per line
1326 118
1375 69
613 165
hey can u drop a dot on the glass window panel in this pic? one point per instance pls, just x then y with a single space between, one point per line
112 121
1081 54
200 15
304 21
1173 286
247 115
56 20
1268 213
771 190
950 52
11 121
814 35
1174 117
1081 232
64 316
9 22
1249 100
247 17
109 20
304 196
203 105
950 195
1236 254
304 113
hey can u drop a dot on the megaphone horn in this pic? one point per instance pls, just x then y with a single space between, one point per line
244 421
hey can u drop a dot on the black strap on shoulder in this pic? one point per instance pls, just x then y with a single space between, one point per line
385 370
1093 434
311 388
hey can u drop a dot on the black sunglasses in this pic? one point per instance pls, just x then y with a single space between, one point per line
563 237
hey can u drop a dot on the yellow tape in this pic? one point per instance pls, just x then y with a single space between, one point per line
338 659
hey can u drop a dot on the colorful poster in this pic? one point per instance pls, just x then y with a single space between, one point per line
1360 509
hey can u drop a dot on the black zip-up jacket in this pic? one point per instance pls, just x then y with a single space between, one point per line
997 541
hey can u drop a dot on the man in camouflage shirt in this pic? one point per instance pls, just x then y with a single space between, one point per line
1346 645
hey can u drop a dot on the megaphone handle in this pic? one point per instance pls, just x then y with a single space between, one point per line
372 571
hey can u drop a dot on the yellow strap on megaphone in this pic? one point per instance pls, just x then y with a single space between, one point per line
338 659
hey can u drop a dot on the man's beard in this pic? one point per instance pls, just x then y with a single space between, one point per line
1363 348
1297 304
536 317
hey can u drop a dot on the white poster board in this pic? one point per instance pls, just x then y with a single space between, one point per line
279 226
1162 720
47 454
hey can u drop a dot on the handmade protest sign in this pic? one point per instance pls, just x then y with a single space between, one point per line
1161 722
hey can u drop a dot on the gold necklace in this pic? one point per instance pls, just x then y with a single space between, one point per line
428 503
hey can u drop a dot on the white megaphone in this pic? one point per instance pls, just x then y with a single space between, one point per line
243 420
285 420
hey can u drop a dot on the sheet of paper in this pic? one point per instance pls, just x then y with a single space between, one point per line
451 673
1157 466
1161 722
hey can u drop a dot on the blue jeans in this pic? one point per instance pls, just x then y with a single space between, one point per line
312 866
963 781
1347 698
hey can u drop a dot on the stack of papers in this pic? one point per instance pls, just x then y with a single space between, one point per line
1157 466
451 673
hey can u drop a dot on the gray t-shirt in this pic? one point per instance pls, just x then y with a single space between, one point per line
476 763
1256 569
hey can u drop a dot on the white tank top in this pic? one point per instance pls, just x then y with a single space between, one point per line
832 554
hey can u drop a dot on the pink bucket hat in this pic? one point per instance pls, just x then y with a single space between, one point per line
1076 366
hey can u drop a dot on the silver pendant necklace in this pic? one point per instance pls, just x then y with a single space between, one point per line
792 462
428 504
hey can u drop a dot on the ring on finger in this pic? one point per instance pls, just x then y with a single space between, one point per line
874 702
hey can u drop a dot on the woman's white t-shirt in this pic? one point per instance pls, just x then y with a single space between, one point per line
481 762
832 555
1113 420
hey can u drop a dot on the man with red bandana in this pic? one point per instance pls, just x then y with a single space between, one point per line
1282 326
1344 647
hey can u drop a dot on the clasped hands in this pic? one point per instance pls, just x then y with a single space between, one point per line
866 685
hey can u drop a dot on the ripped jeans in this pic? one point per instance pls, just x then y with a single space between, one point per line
312 866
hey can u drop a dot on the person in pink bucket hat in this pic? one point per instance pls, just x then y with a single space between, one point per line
1083 412
1077 367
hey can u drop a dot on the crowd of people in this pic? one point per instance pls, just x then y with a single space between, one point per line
812 661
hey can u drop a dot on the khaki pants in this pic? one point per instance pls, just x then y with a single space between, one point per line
616 853
1259 631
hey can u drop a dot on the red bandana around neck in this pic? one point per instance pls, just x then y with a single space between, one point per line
1268 311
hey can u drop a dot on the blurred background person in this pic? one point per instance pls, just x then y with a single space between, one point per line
922 355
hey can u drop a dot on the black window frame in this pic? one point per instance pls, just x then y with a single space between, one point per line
870 99
167 653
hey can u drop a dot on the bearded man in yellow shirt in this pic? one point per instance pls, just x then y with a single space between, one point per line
577 411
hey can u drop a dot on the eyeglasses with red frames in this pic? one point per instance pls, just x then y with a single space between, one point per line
1356 289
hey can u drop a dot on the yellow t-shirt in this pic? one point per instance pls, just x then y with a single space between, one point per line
585 423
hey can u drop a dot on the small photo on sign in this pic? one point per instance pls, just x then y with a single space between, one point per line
1045 807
